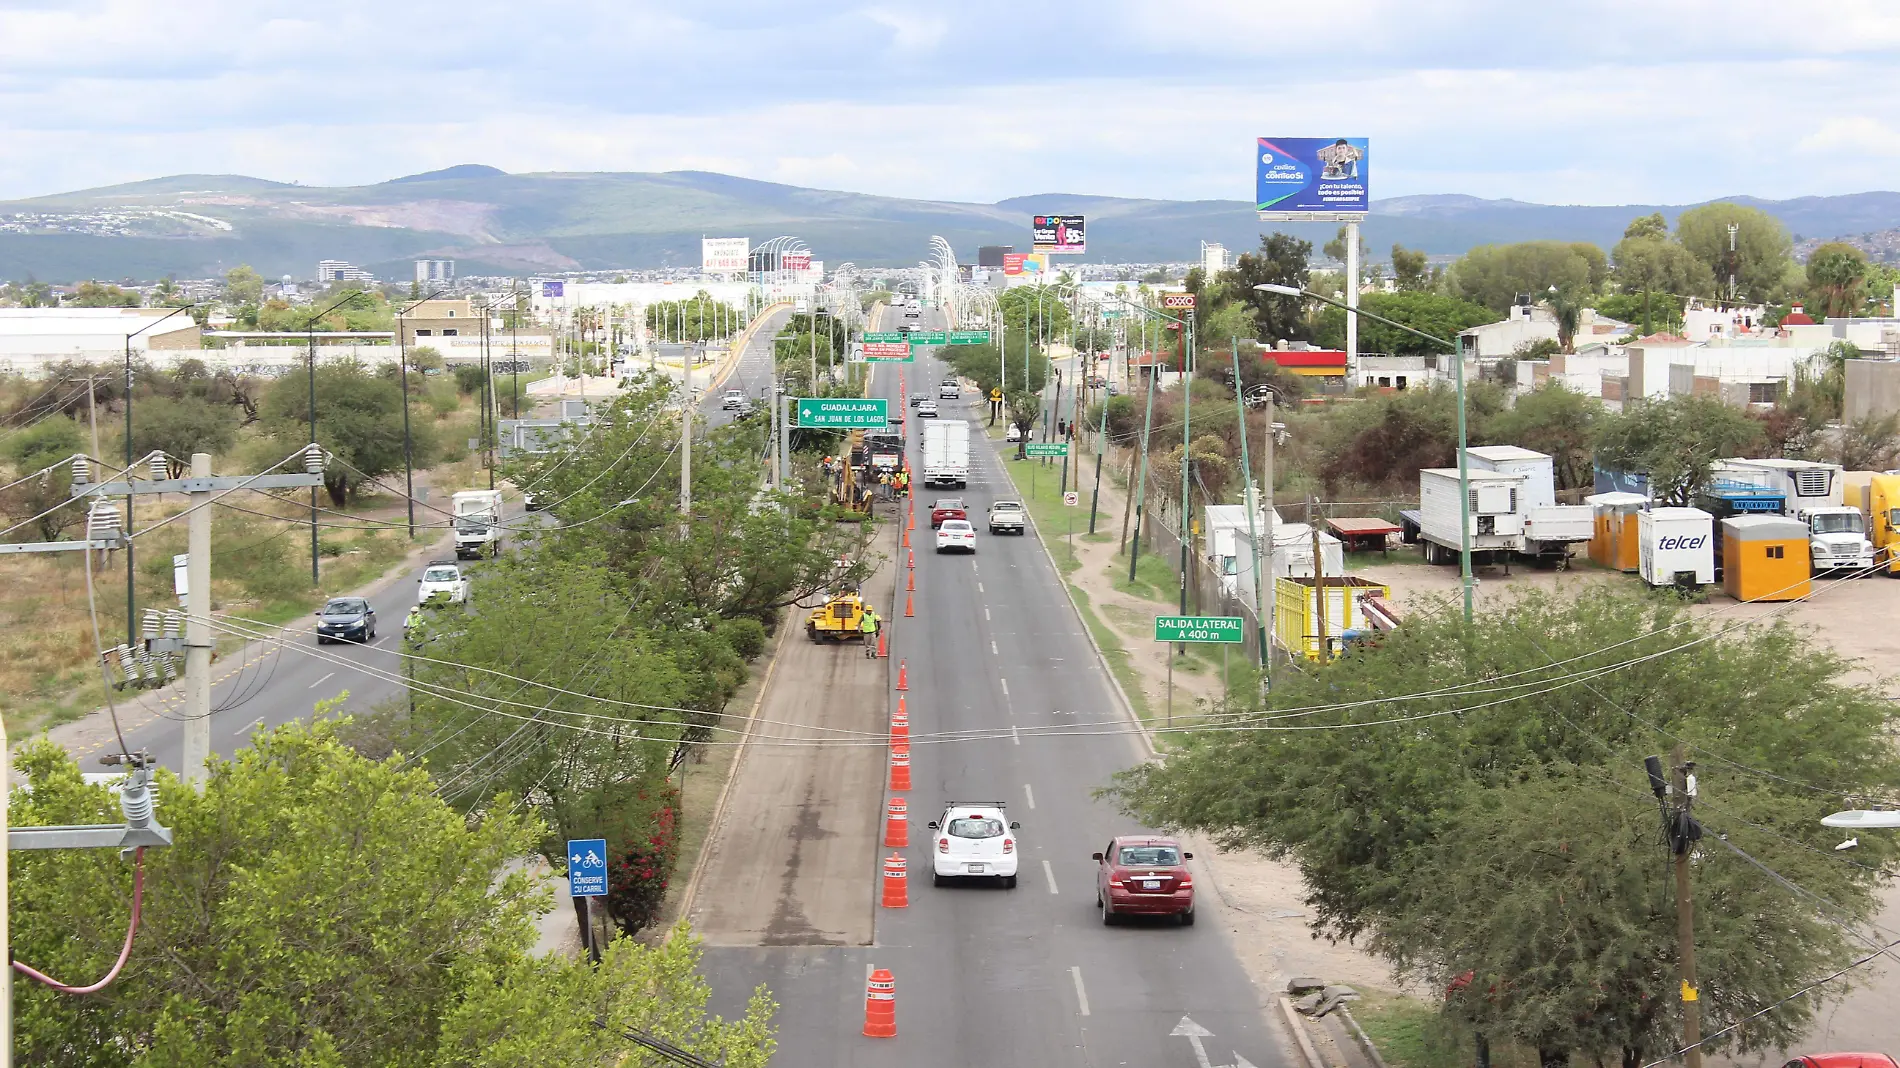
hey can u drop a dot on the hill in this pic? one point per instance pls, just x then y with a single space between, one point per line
493 222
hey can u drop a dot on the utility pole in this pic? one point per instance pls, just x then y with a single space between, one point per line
1319 584
1732 230
1140 497
1675 796
1250 501
197 725
1101 452
686 447
310 329
1187 422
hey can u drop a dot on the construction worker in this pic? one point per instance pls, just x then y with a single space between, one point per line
883 485
412 624
903 483
868 623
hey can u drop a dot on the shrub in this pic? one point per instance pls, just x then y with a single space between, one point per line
636 886
746 637
468 378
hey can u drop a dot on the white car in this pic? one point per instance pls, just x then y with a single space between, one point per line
1014 433
733 400
974 839
956 535
927 410
442 580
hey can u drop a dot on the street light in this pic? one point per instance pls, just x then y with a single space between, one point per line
1458 376
408 451
131 610
1863 819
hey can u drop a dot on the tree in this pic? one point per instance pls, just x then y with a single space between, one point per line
1335 249
180 426
1674 442
1837 280
1503 831
1024 409
359 421
242 285
1663 273
1566 306
1556 421
94 295
1645 227
1281 260
1429 313
1497 275
1411 271
1871 443
425 358
46 442
1763 250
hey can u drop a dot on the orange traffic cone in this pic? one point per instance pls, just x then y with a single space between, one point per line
910 561
902 713
907 538
880 1005
912 525
910 586
903 675
900 731
897 824
900 772
910 605
883 645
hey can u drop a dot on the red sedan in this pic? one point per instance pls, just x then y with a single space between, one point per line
947 508
1144 875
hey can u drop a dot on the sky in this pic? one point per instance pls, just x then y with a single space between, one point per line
1582 102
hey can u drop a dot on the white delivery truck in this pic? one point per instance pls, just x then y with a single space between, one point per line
1676 546
1497 516
947 453
1837 531
477 523
1550 529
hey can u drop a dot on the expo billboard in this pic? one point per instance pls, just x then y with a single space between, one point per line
1314 175
1057 233
723 254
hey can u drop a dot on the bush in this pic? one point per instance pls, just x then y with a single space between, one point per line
636 886
746 637
468 378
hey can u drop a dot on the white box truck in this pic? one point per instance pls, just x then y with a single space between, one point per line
477 523
1497 516
1292 558
1676 546
1837 531
1550 529
947 453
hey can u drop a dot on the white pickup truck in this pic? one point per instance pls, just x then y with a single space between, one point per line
1006 517
442 580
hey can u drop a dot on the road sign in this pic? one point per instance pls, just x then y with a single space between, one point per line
929 337
1046 448
887 351
587 867
969 337
1177 300
1224 629
884 335
842 413
1071 499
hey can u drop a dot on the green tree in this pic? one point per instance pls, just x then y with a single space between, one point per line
1663 273
48 441
242 285
1281 260
180 426
1335 249
1643 227
1497 275
1837 280
1870 443
425 358
1674 442
1386 440
1433 314
95 295
359 421
1410 269
1503 828
1556 421
1763 255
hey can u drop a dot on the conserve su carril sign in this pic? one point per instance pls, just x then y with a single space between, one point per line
1228 629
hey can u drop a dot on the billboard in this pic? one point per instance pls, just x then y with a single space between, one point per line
1013 262
794 261
1315 175
554 289
723 254
992 255
1057 233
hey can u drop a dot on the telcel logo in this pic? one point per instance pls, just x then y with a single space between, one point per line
1679 541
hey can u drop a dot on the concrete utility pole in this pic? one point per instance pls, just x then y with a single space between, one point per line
1319 584
1352 299
198 642
686 446
1682 841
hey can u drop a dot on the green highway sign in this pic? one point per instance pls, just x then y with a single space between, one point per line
886 336
969 337
1228 630
842 413
1046 448
932 337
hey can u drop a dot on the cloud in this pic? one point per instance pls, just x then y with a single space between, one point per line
910 30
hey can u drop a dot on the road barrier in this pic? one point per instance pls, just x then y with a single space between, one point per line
906 537
880 1005
911 560
910 585
902 715
896 883
900 769
900 731
903 675
910 605
897 824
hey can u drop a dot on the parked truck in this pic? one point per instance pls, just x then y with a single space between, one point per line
1550 529
1878 498
1497 515
947 453
477 523
1837 531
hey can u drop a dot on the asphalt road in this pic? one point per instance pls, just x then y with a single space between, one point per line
989 976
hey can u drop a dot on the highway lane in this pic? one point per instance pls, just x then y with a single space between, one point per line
989 976
751 374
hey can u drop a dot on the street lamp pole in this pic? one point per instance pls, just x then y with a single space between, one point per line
408 449
131 600
1458 378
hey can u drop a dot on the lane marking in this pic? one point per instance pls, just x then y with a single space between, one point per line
1014 736
259 722
1031 795
1081 995
1049 874
1005 683
986 613
993 651
979 586
319 682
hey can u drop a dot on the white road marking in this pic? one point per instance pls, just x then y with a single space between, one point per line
1081 995
986 613
1031 795
1014 736
979 586
993 651
259 722
999 678
319 682
1049 874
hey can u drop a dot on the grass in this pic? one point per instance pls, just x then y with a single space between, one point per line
1411 1034
1155 578
1041 490
1112 651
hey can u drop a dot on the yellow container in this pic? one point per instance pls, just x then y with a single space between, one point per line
1765 558
1616 543
1296 611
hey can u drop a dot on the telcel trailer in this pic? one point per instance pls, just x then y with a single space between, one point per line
1677 546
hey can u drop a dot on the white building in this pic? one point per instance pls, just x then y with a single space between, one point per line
342 271
1529 325
31 338
435 270
1214 259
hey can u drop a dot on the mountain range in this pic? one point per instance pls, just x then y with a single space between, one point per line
493 222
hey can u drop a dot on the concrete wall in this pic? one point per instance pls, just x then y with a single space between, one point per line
1873 388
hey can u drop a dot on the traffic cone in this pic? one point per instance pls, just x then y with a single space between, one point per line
903 675
911 560
910 585
883 645
897 824
900 731
907 538
910 606
896 883
913 517
880 1005
902 713
900 771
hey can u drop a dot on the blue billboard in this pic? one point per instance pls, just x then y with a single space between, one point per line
1310 174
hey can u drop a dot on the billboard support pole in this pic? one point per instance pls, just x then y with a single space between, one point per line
1352 301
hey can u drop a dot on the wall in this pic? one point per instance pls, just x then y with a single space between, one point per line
1873 388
